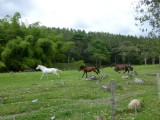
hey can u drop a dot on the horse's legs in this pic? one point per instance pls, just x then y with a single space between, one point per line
46 75
126 70
42 76
58 71
57 75
83 74
117 70
86 75
96 72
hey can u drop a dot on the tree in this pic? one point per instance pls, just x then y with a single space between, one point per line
154 49
24 46
145 56
81 45
2 66
99 52
148 12
15 25
128 52
143 47
45 51
67 47
34 30
15 54
157 49
5 31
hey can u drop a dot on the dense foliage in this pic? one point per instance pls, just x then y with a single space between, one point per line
24 46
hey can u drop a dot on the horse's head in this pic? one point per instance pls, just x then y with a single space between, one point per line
81 67
38 67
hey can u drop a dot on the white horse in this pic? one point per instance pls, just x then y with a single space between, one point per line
46 70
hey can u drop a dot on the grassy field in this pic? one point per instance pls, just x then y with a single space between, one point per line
23 96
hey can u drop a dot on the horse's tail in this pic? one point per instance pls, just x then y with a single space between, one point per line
98 70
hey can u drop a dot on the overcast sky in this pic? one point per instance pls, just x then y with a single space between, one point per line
112 16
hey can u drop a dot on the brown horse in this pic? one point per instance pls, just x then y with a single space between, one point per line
124 67
89 69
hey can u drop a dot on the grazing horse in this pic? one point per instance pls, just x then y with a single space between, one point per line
46 70
89 69
124 67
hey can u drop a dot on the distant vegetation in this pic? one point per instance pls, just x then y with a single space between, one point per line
24 46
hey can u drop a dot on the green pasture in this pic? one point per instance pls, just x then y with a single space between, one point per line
23 96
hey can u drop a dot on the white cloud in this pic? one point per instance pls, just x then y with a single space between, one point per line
113 16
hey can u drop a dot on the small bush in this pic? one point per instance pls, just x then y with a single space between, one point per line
2 66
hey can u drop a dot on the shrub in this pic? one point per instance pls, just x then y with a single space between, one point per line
2 66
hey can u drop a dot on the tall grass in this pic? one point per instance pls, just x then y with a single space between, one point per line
77 99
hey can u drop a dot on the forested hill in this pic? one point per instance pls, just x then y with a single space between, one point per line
24 46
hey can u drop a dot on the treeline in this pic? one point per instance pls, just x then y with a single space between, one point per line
25 46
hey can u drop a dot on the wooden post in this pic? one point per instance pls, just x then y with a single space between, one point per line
158 83
113 99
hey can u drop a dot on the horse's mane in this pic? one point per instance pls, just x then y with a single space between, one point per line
43 66
82 66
